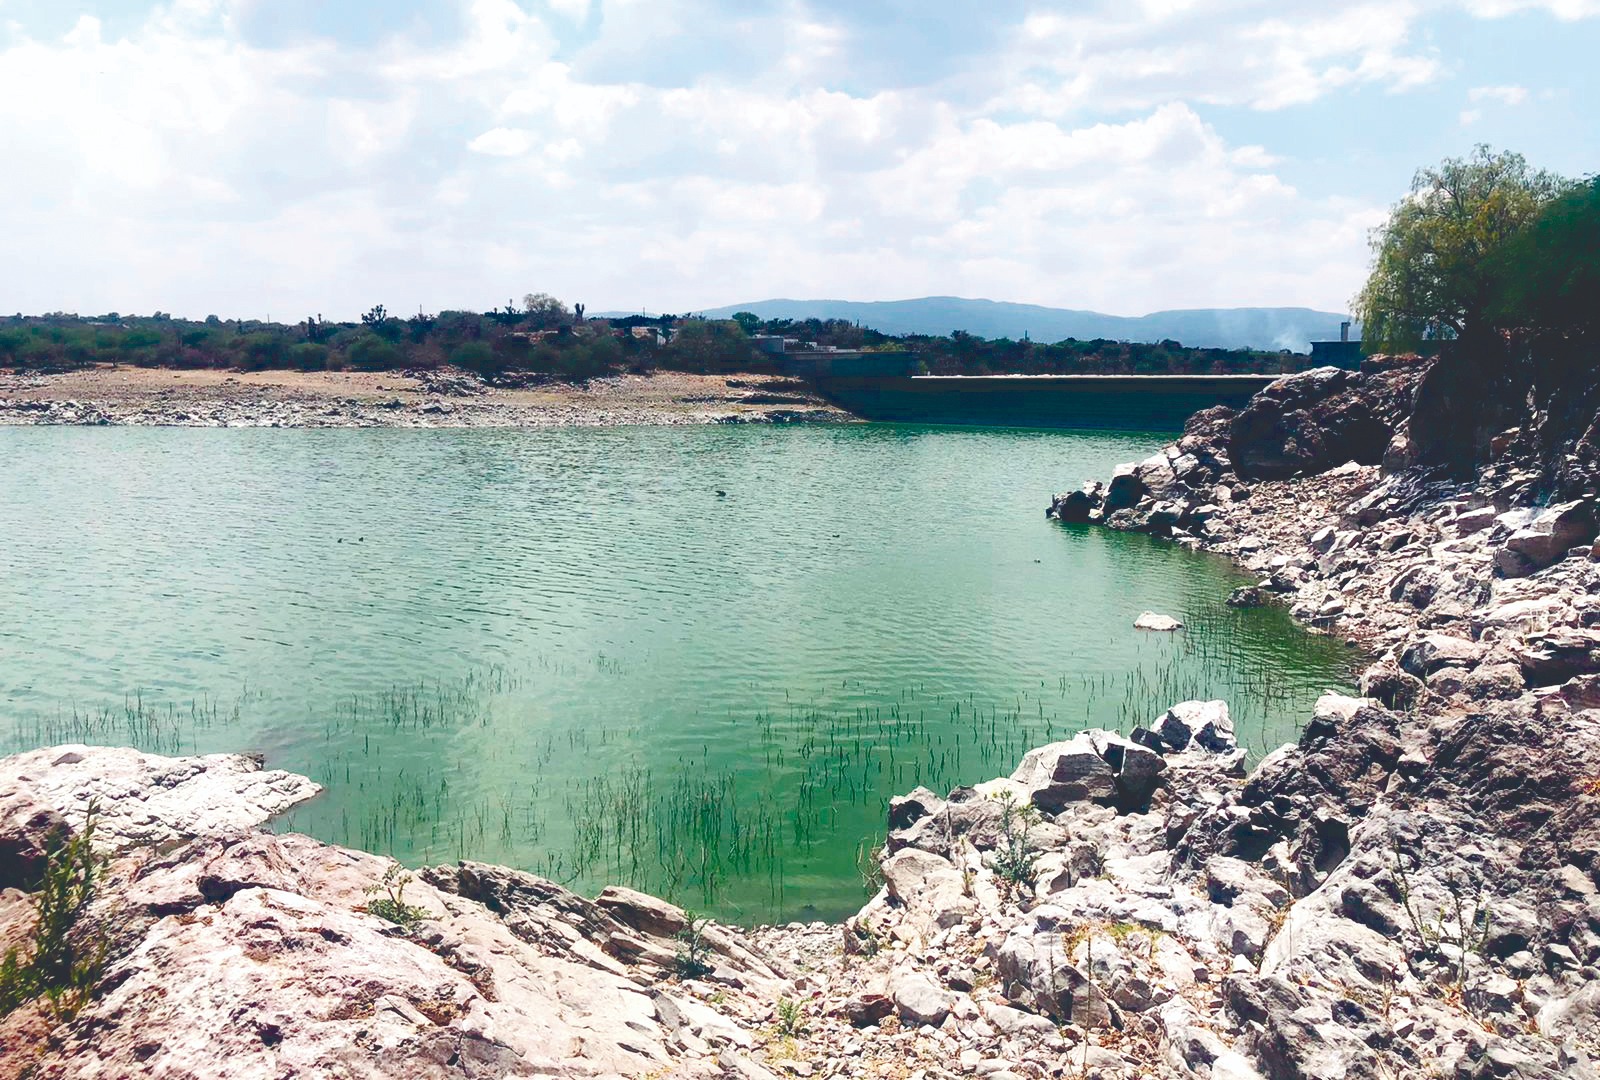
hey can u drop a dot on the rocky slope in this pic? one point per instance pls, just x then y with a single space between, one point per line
1440 842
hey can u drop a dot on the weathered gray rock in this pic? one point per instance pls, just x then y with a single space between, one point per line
1387 683
1075 507
1553 656
644 913
1034 968
144 800
1494 682
1546 538
919 1000
1200 725
1124 490
1065 772
1434 651
929 887
1150 620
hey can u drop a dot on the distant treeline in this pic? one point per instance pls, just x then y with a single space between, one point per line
543 336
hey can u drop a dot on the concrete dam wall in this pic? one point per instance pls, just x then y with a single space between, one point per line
1125 402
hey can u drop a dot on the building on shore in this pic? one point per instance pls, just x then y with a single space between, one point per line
1342 353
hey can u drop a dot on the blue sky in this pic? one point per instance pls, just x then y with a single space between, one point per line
285 157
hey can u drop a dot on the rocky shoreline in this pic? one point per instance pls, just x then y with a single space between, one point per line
445 397
1413 890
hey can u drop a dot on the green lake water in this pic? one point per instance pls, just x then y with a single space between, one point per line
564 650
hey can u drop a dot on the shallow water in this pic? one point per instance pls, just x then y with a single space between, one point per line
694 660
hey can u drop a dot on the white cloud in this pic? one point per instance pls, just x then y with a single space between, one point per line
1566 10
679 153
1507 96
1503 95
1266 56
503 142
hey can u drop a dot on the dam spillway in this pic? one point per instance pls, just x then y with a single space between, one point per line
1111 402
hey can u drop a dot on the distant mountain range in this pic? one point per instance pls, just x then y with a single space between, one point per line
1225 328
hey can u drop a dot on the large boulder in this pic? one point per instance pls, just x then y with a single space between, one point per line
920 1000
148 801
1197 725
1432 652
1157 475
1062 773
1554 656
1313 421
1036 972
1546 539
1076 507
1125 490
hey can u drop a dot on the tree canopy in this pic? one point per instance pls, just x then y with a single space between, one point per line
1547 278
1434 272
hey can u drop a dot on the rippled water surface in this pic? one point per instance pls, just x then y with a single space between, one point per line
696 660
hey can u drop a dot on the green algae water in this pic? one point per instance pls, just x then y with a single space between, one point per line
697 661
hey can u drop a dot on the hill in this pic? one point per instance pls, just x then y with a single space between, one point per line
1221 328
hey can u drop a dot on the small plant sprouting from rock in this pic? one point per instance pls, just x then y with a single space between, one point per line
63 961
1014 858
692 960
862 939
869 864
791 1020
1457 930
392 905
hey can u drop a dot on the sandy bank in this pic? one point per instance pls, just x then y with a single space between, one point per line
446 398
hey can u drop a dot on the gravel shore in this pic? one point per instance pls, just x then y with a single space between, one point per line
432 399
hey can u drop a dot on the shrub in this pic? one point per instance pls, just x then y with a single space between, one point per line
692 960
791 1019
391 905
309 356
371 353
1014 859
264 350
63 961
475 356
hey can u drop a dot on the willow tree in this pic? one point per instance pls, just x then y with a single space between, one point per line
1434 274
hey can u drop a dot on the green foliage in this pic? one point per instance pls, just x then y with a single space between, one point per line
869 864
710 345
1433 272
372 353
693 957
1547 278
137 339
791 1020
1459 928
1014 858
545 310
63 961
264 350
863 939
309 356
391 905
568 347
476 356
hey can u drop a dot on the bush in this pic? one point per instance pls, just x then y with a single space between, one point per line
309 356
389 900
371 353
475 356
264 351
63 961
692 959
